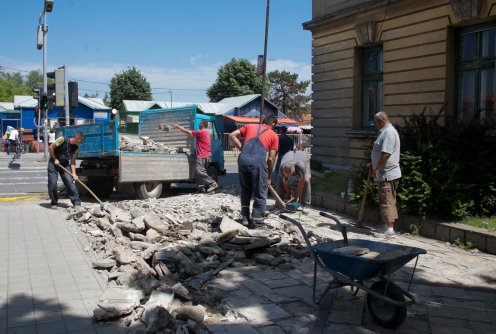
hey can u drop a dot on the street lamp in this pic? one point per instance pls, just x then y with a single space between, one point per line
264 66
42 42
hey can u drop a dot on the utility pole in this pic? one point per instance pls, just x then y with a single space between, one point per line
265 59
48 7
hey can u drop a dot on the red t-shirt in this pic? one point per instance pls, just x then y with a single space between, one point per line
203 149
269 138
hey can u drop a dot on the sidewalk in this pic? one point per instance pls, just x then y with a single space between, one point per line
46 283
48 286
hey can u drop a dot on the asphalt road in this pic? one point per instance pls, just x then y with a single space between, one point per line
28 176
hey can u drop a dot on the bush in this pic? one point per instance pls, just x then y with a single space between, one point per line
448 169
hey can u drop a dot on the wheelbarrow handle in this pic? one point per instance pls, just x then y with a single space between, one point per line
303 233
342 227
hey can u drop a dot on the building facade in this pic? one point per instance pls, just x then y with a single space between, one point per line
401 56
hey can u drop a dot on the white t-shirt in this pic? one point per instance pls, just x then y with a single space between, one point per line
14 134
388 141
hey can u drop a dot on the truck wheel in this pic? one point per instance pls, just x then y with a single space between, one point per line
101 186
213 173
148 190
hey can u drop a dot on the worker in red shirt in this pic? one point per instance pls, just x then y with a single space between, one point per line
203 155
255 165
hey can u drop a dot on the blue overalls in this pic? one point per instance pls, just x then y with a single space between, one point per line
253 176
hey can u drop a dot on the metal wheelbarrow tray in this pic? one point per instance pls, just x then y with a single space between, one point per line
353 261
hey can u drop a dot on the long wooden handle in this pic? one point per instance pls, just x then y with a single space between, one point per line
82 184
364 199
277 197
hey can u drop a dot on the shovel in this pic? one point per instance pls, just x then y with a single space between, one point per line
83 185
277 197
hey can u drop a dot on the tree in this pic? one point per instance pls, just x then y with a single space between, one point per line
129 85
238 77
288 94
86 95
12 84
34 79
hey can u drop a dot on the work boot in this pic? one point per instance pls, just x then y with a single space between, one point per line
246 221
212 187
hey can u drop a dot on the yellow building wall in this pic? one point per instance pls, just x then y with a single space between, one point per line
418 45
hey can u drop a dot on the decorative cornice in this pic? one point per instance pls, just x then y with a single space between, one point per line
366 32
466 9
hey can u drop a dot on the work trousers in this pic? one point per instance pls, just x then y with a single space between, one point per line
387 200
53 173
253 181
202 177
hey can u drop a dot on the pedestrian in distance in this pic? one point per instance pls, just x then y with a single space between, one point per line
255 165
63 152
295 166
13 139
51 136
203 155
386 170
286 144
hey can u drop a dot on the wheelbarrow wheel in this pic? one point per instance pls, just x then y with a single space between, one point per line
386 314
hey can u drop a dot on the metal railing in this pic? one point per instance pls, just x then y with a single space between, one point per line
301 141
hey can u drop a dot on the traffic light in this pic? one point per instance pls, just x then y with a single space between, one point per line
48 5
73 94
49 98
58 88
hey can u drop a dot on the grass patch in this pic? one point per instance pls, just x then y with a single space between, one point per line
487 223
331 182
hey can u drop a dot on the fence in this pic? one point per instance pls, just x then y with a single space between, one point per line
301 141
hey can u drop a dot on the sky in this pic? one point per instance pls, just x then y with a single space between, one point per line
178 45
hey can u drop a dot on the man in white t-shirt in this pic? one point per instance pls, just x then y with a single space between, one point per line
13 138
386 169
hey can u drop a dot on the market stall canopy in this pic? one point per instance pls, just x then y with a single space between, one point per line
247 120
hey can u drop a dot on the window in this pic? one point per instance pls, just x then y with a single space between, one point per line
372 72
475 73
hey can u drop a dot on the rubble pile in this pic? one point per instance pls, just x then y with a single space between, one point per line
135 143
158 254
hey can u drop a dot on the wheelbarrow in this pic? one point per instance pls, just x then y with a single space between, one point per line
354 262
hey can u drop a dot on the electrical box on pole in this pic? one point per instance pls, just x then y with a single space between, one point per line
39 37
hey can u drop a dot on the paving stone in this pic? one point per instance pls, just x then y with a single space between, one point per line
257 287
232 328
458 313
267 275
271 330
296 324
280 283
450 330
483 328
262 314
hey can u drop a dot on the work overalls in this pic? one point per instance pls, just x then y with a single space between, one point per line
253 176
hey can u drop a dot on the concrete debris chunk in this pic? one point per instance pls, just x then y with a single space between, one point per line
152 220
116 302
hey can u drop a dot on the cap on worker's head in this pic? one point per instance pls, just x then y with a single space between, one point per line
21 129
9 128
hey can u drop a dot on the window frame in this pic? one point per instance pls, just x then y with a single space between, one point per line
478 65
377 79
